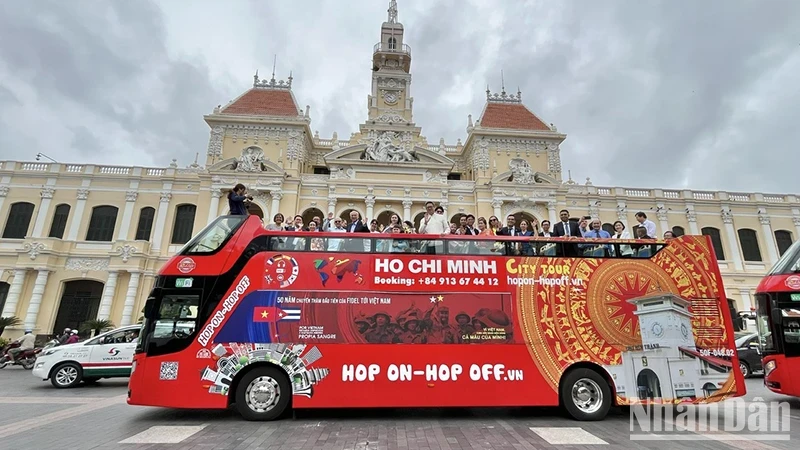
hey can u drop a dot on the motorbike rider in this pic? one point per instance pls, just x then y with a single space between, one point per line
63 338
25 343
73 338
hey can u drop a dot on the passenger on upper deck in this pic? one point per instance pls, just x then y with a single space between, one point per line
238 199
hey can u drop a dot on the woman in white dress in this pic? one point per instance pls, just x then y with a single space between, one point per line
621 233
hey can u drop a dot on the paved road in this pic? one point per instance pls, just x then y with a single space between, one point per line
37 416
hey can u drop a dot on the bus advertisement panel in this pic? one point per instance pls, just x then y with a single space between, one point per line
414 330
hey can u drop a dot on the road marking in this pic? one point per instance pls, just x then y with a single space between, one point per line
48 400
567 436
164 434
47 419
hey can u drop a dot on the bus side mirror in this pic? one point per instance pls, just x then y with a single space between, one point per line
777 316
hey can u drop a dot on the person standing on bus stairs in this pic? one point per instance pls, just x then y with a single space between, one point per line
565 228
238 200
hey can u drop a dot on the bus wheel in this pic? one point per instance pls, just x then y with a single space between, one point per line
585 395
263 394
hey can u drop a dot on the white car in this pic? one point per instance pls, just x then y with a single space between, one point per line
107 355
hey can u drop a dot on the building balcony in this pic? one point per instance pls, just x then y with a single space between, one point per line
389 48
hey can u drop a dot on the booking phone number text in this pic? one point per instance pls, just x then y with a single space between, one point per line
436 281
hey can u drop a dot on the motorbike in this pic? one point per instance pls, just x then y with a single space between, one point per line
26 359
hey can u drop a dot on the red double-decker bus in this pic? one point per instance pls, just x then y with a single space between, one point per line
778 323
268 321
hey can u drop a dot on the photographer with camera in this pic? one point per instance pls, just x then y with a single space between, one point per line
238 200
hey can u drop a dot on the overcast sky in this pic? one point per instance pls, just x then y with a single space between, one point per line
695 94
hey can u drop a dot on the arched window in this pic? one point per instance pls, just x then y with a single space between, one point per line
716 241
184 224
678 231
749 242
3 294
19 220
102 223
392 43
145 226
609 228
784 240
59 221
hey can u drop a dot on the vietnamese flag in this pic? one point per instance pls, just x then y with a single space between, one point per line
265 314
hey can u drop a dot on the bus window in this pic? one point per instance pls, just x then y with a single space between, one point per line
177 317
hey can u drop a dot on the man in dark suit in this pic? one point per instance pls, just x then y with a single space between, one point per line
512 248
356 225
566 228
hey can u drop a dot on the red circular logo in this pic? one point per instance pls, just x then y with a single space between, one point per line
793 282
186 265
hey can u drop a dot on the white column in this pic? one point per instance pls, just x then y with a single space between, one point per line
14 291
496 204
736 255
370 202
331 205
44 207
213 210
691 217
622 213
551 213
444 204
161 221
407 209
747 300
795 219
277 195
663 220
36 298
77 215
769 238
130 299
108 296
3 194
127 215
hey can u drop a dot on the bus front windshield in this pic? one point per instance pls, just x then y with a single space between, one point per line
213 236
789 262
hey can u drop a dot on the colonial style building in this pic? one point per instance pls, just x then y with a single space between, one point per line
84 241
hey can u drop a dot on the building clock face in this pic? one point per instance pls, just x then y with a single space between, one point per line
657 329
685 331
390 97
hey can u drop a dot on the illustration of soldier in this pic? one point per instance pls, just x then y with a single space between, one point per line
381 332
412 333
437 326
465 328
362 322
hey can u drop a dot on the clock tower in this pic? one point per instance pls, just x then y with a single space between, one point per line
664 321
390 99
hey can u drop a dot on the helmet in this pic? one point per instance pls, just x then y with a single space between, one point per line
67 330
28 331
74 331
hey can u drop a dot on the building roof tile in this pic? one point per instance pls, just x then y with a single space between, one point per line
264 102
512 116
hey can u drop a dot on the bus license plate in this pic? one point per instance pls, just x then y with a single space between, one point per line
795 297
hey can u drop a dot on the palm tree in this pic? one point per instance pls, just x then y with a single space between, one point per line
9 322
97 326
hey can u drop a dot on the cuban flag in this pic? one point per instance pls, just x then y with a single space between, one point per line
275 314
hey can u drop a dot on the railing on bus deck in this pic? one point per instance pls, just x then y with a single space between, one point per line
290 241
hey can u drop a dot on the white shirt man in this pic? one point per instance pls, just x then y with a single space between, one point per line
648 225
433 223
